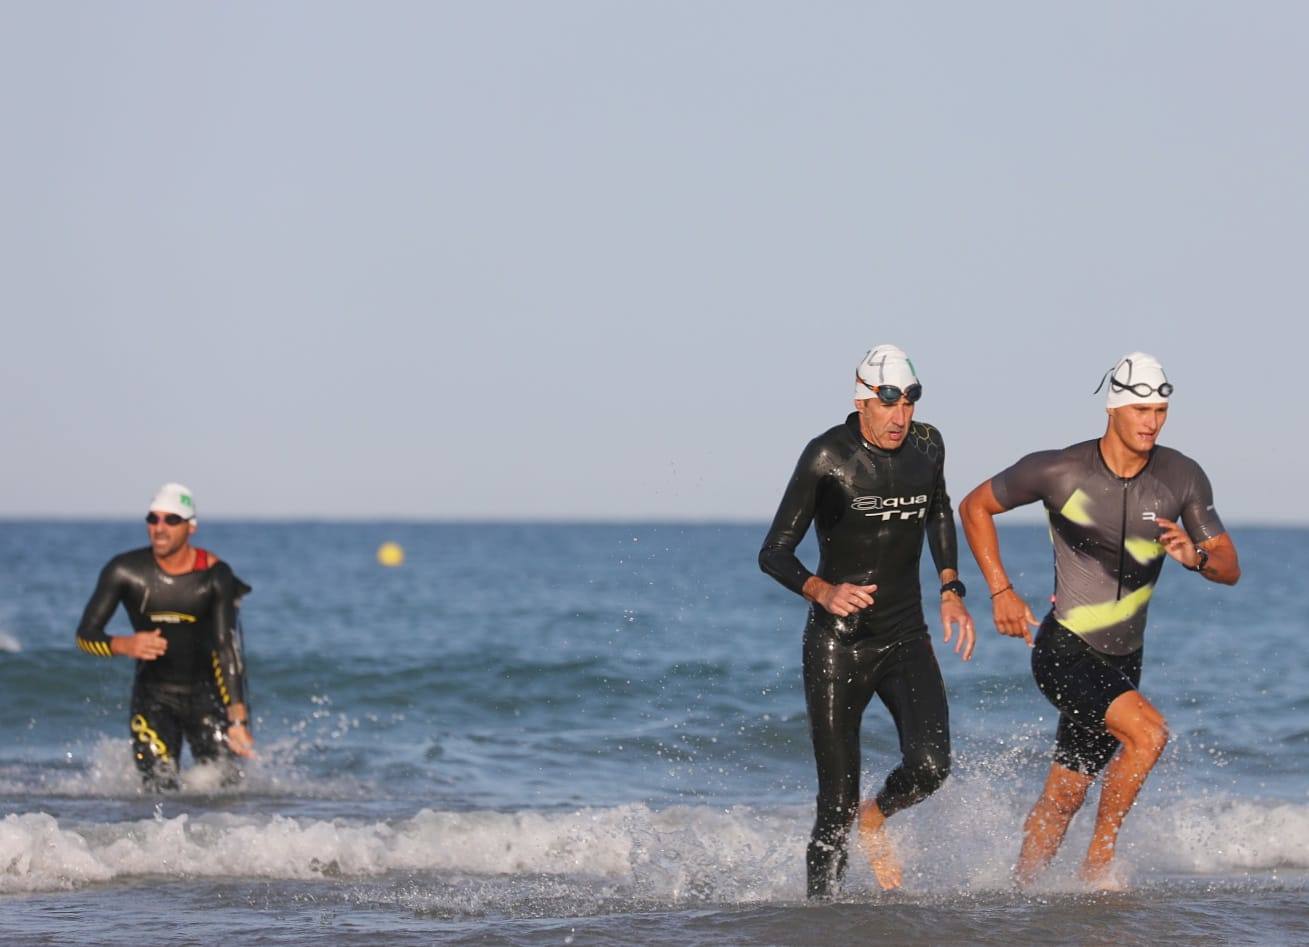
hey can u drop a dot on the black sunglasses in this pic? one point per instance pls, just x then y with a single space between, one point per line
891 394
172 519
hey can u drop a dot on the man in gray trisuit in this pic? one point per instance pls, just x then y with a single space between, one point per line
1114 505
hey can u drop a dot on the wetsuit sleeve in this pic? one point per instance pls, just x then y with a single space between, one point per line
941 537
91 636
228 657
1026 481
777 556
1198 514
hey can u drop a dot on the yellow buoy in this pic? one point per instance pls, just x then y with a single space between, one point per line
390 554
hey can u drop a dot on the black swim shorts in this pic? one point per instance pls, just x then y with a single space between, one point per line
1082 683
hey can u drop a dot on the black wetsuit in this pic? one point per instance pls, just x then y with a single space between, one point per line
870 508
1107 558
186 690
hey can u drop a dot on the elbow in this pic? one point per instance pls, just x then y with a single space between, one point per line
968 506
765 560
978 506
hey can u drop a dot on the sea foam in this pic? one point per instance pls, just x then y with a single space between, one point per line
682 853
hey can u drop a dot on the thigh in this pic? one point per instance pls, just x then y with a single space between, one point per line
837 691
1084 750
1079 680
206 726
913 690
1081 683
156 727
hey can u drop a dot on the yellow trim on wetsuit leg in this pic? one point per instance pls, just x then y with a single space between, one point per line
146 734
1085 619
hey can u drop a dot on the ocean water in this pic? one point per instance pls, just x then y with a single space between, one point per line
594 734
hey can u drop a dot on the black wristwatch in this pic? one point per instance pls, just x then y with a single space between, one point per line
1201 559
955 586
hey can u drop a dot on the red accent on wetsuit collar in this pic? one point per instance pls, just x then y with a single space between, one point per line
201 561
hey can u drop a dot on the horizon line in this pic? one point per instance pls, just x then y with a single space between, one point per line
532 520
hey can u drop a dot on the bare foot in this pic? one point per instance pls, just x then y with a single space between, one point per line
877 847
1025 875
1102 877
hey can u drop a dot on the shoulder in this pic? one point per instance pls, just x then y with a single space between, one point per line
926 438
1079 455
227 582
1172 457
1043 472
132 562
829 448
1170 464
925 431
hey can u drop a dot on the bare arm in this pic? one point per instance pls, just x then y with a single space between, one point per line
977 512
1223 566
954 614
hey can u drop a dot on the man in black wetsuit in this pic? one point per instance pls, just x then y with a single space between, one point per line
190 673
1114 506
872 487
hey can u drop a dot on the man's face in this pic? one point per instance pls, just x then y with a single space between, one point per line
885 425
165 540
1138 425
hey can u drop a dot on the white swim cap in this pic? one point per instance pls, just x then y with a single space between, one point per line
174 498
883 365
1137 378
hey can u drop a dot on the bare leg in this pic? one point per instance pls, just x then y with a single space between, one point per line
877 847
1047 823
1142 730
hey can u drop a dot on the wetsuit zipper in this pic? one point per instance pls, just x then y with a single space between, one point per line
1122 546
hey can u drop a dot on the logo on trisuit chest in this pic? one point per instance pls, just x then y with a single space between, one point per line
887 508
172 618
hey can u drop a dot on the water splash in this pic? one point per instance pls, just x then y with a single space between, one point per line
682 855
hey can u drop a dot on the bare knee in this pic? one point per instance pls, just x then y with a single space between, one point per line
1138 725
1156 737
1146 737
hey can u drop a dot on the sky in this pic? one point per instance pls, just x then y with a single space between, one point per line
604 260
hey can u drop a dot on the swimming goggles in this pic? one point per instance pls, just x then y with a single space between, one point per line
1140 389
891 394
